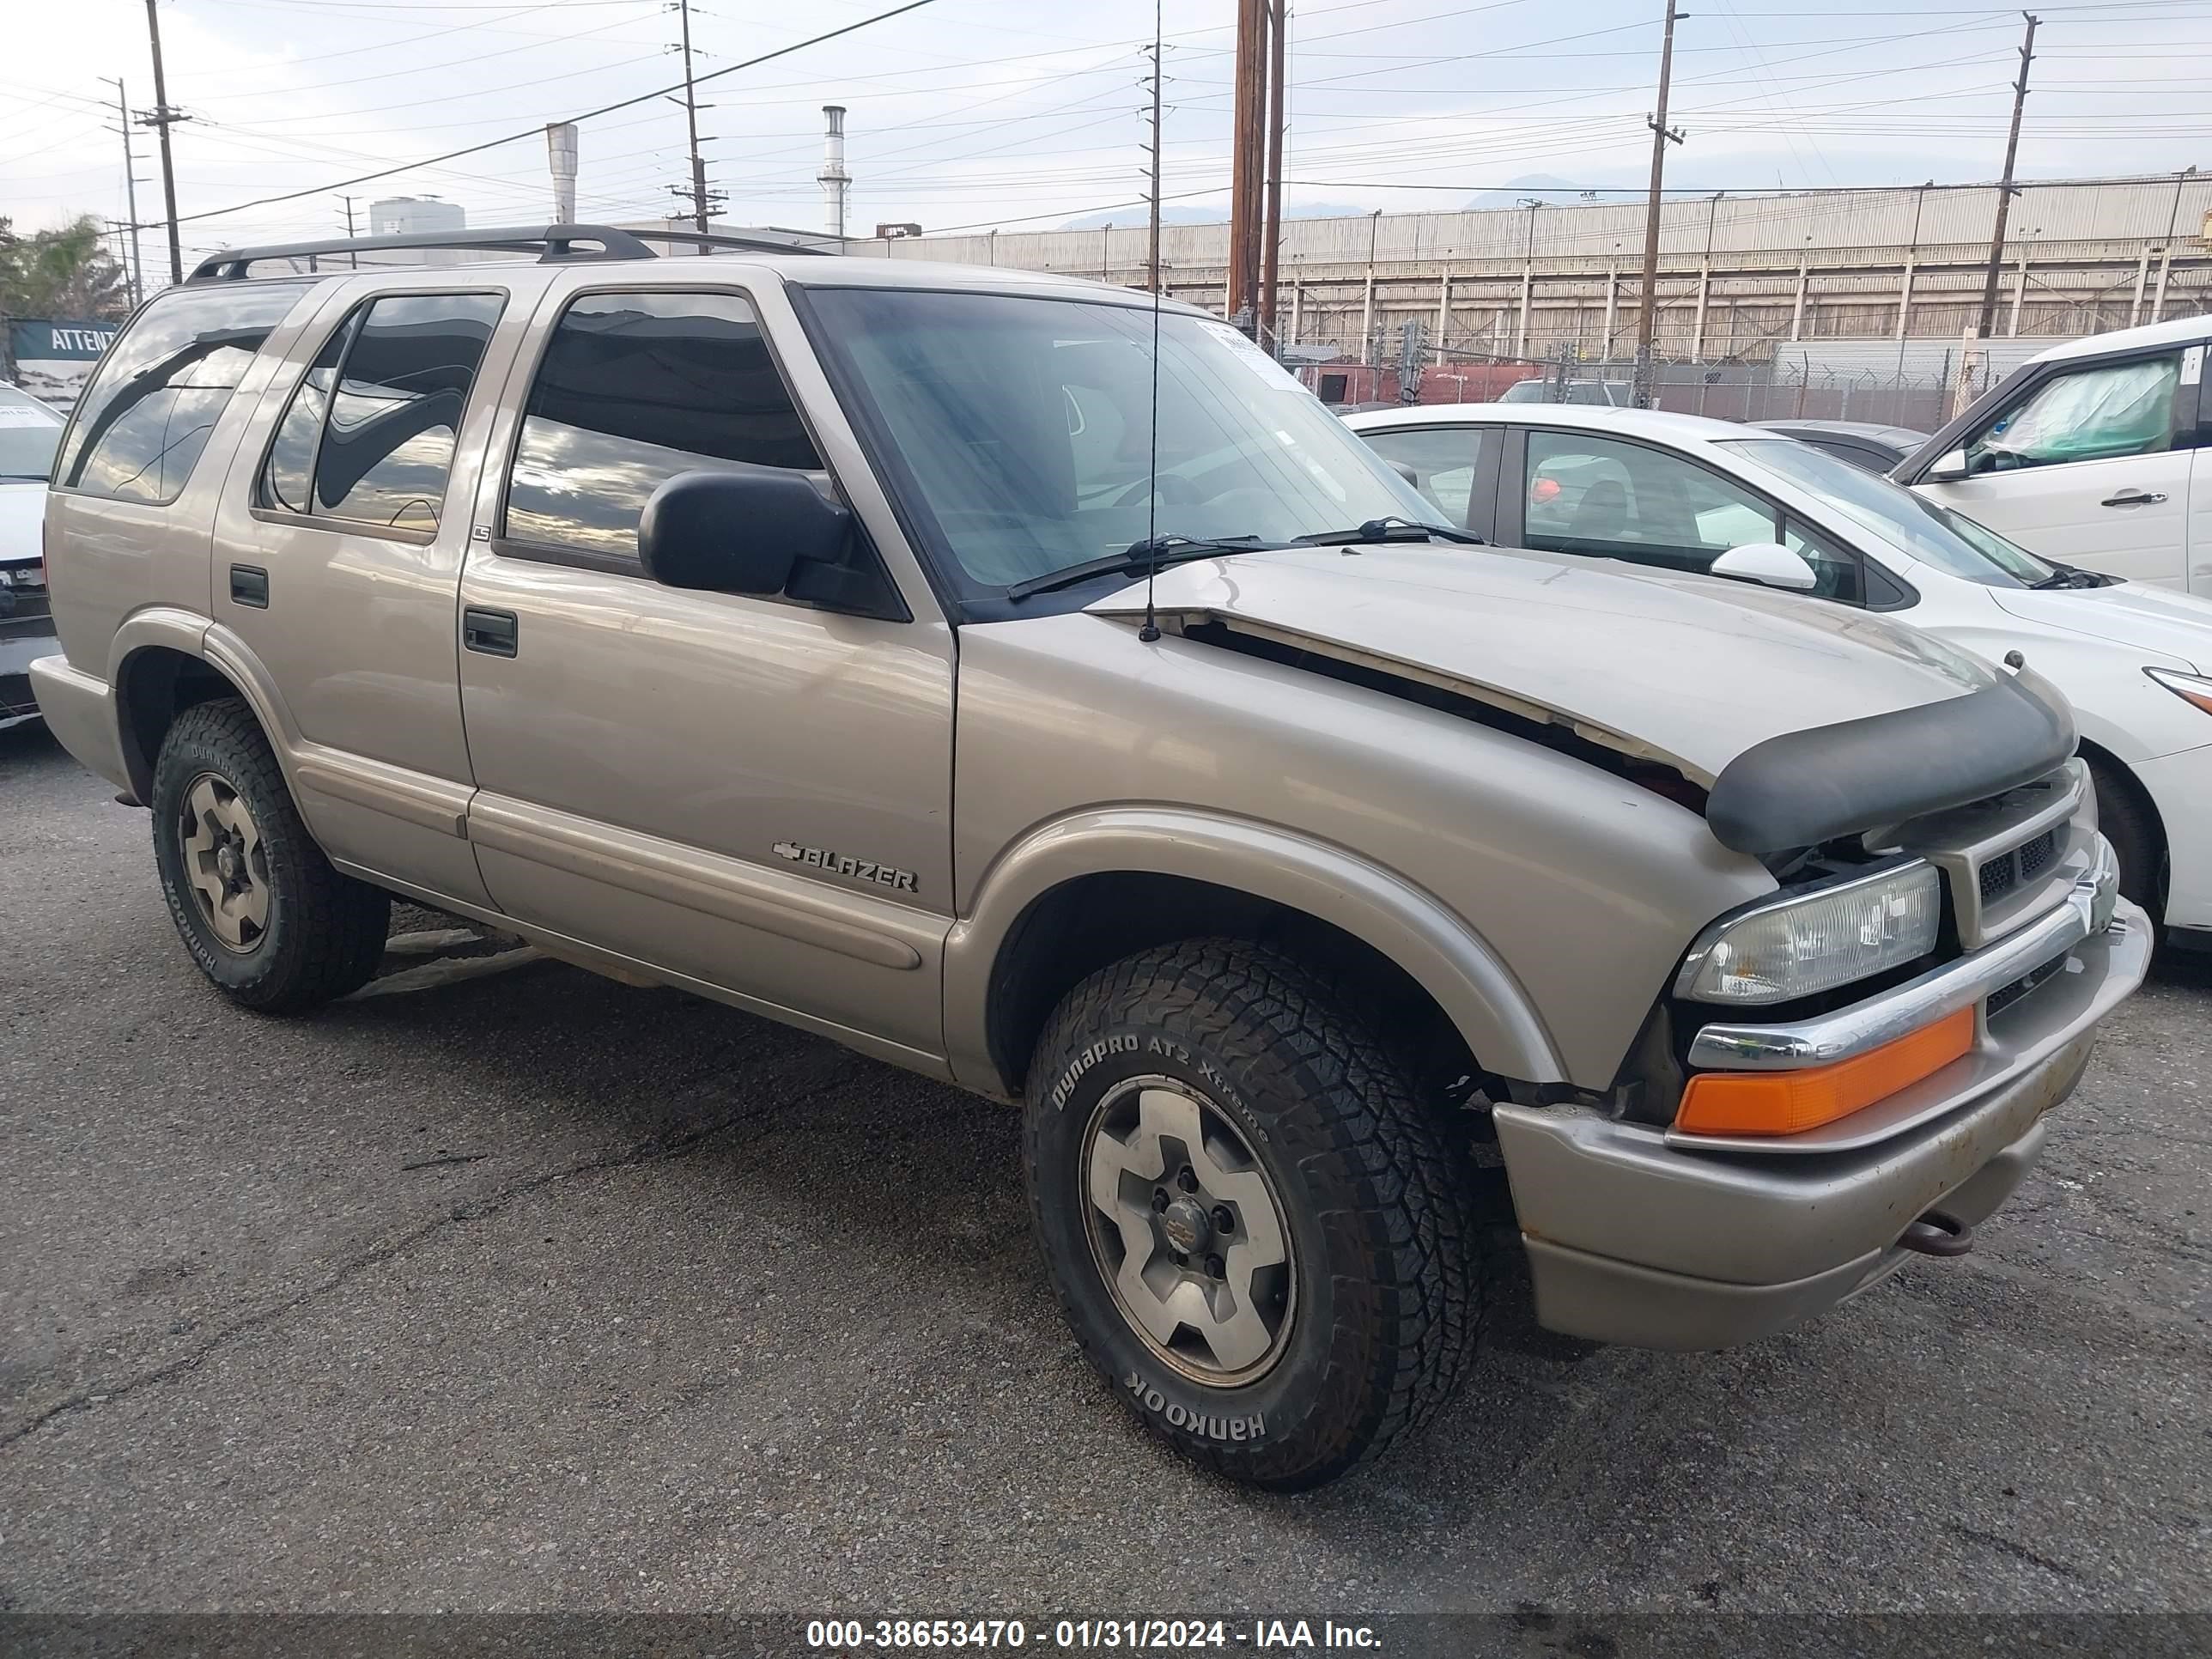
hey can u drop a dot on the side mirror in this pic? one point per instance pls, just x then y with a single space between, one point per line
1947 469
1768 563
747 530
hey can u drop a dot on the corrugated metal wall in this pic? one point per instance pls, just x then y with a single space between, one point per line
2129 210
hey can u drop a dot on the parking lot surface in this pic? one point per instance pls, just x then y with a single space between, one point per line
530 1290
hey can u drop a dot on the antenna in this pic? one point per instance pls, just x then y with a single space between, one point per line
1151 630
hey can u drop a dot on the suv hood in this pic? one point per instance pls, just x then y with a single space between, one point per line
2148 619
1692 671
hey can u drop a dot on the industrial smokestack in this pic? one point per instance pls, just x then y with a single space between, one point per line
560 159
833 178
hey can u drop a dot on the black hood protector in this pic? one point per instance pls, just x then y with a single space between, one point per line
1805 787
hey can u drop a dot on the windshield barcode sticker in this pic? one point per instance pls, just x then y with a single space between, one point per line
1278 379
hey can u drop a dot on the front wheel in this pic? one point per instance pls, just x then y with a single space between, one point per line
1261 1238
256 902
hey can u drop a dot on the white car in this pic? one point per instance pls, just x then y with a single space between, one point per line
2099 451
1684 493
28 432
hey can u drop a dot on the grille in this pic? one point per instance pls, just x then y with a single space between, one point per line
2005 996
1999 877
25 611
2008 872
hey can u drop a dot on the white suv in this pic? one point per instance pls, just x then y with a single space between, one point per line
2098 453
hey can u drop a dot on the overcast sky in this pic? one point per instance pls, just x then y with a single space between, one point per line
979 111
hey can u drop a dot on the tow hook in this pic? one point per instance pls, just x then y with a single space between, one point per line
1937 1234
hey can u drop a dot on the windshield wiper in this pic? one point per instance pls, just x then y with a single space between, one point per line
30 478
1138 555
2069 575
1390 529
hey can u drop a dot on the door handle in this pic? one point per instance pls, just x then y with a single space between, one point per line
492 632
2133 498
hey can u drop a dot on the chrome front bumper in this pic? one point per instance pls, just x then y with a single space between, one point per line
1663 1242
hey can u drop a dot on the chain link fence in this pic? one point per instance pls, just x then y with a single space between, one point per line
1787 392
1919 400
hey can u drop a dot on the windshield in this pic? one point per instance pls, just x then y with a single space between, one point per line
28 432
1023 427
1935 535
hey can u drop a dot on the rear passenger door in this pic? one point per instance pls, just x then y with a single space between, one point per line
338 558
751 792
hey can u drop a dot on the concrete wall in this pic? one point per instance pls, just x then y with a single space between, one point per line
1738 274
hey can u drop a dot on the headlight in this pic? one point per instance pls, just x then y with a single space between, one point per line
1796 947
2189 688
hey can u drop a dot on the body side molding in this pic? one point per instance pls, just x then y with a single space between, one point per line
789 906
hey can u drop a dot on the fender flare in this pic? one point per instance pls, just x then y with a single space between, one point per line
1467 979
174 628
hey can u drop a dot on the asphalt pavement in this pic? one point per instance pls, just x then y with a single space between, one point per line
530 1290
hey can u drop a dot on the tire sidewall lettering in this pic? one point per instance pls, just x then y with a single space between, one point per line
1263 1413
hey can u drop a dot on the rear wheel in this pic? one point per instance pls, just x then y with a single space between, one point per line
1260 1236
256 902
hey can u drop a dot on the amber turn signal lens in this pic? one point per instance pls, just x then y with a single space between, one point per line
1791 1102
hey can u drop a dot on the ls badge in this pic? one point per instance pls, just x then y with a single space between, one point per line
821 858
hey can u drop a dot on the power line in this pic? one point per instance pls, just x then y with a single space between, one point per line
531 132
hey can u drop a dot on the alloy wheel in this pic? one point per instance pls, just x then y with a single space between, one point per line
1187 1231
225 863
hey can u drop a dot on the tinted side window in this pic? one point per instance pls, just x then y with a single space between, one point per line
292 452
1587 494
1443 461
146 417
634 388
374 419
2097 414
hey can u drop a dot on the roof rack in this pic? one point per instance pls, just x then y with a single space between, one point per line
556 244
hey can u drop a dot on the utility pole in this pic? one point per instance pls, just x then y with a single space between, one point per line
691 126
353 260
1272 231
1661 136
137 267
1248 164
161 118
2005 191
1527 274
1152 243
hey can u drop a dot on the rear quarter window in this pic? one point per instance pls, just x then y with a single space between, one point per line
141 424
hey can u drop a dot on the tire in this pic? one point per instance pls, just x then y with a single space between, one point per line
275 928
2128 824
1299 1109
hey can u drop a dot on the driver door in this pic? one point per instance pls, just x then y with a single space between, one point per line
2091 466
1567 491
753 794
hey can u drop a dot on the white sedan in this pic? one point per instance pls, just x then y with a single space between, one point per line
1684 493
28 433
